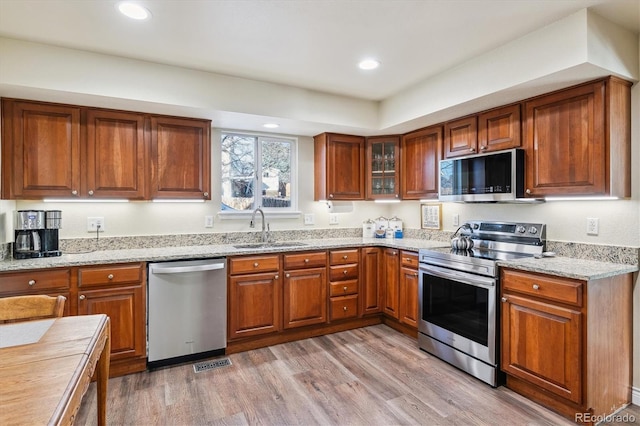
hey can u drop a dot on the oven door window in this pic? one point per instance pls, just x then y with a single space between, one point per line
460 308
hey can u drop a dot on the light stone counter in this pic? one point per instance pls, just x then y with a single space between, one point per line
568 267
205 251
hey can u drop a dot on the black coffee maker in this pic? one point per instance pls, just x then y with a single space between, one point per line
36 234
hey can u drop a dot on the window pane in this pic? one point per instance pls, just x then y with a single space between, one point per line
238 172
276 173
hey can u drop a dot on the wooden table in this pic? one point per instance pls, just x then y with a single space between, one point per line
43 382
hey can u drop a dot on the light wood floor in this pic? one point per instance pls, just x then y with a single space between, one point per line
368 376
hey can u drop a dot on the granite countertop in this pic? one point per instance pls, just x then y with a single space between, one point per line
559 266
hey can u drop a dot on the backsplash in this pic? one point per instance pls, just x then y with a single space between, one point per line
605 253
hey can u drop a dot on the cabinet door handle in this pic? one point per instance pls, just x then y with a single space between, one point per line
483 148
306 261
82 297
90 193
415 275
394 253
255 265
472 150
528 191
504 299
110 276
206 194
536 287
330 195
344 308
32 282
345 288
74 192
276 277
287 275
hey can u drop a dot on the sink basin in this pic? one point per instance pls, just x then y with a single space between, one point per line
270 245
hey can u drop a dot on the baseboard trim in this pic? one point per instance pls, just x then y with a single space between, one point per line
635 396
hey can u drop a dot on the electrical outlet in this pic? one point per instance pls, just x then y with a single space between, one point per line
309 219
208 221
333 219
456 219
94 222
592 226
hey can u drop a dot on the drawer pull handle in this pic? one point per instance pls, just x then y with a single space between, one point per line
32 282
415 275
345 288
276 277
306 261
82 297
255 265
110 276
345 272
344 308
504 299
288 275
536 287
345 256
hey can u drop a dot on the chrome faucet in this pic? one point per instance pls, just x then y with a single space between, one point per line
265 232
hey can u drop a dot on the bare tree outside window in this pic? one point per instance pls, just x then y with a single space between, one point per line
250 162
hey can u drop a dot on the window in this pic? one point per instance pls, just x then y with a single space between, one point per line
250 162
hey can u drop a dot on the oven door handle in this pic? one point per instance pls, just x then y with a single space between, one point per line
462 277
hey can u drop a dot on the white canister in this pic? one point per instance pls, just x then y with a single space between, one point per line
368 229
390 233
382 223
395 223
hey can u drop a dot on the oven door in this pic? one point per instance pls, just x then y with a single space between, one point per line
459 310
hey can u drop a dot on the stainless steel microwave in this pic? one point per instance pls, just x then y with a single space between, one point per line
490 177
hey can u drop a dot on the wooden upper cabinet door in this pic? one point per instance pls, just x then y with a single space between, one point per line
499 129
41 150
565 142
339 167
420 155
461 137
383 167
116 155
180 158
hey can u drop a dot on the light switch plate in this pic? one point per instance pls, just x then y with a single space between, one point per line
208 221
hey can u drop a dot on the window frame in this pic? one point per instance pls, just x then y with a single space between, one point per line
272 212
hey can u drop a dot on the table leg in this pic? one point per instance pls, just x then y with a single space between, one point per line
103 377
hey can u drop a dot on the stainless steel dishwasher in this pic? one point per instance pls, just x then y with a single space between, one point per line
187 306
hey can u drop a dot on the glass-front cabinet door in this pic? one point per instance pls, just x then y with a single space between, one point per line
383 163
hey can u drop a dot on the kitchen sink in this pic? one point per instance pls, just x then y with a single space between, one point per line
270 245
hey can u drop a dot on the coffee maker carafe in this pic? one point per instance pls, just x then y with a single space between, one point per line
28 226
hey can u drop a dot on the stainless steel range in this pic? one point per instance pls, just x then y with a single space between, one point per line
459 289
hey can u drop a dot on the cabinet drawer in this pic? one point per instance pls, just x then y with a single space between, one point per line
543 286
409 259
34 281
250 264
339 257
343 272
342 288
305 260
344 307
108 275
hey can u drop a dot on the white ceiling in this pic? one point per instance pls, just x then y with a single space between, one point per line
313 44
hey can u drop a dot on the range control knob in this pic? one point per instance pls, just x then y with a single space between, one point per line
533 230
520 229
476 226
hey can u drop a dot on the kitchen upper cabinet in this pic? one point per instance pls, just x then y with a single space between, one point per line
53 150
578 141
180 158
461 137
499 129
383 167
339 167
116 155
420 154
40 150
566 343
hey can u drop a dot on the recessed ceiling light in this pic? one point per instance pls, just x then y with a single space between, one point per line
133 10
271 125
369 64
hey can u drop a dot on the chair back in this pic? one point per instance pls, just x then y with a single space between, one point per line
24 308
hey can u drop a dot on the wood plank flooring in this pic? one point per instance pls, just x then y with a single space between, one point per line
368 376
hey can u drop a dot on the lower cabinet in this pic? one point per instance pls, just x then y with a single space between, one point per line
305 289
390 276
50 282
371 289
254 296
344 273
119 291
408 289
566 343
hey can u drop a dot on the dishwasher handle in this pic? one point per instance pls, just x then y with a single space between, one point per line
158 269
